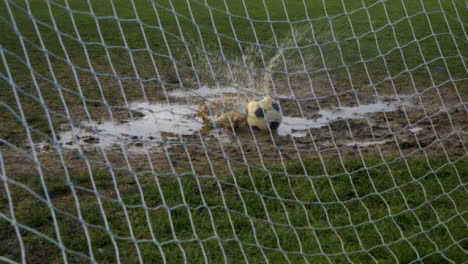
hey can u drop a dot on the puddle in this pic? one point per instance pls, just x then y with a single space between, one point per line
415 130
162 123
297 127
208 92
205 91
175 119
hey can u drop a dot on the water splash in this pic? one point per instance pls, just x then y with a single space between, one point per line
205 91
162 123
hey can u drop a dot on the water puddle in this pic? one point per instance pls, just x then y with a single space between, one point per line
163 123
205 91
156 119
297 127
209 92
415 130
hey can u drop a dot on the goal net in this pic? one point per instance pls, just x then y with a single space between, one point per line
233 131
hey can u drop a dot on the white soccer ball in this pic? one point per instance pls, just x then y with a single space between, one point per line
264 114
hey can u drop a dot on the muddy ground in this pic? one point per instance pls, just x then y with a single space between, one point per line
433 121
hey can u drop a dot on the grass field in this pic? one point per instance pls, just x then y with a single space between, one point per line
389 213
404 206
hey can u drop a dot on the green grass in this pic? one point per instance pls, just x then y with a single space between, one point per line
381 14
412 213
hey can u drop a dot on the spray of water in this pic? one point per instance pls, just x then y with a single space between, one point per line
259 66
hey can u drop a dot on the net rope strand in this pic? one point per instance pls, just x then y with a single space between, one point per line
173 22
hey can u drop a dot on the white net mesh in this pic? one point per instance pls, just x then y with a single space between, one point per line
106 155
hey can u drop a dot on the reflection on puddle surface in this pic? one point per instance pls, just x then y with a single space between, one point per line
415 130
205 91
180 119
297 127
156 119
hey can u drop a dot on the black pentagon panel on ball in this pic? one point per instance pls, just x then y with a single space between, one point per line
259 113
274 125
275 106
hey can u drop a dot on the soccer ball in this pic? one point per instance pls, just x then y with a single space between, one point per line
264 114
239 113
